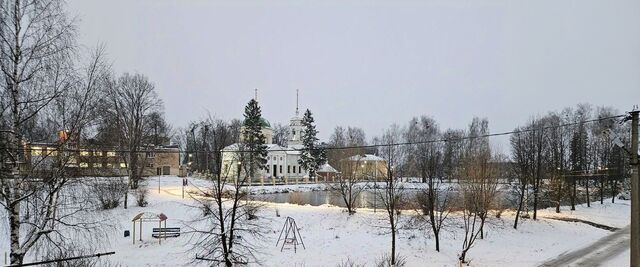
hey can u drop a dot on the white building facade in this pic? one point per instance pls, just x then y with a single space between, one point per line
282 162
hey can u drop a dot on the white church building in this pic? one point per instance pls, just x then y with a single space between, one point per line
282 162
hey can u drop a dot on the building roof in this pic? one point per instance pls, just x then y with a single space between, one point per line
290 150
327 168
366 157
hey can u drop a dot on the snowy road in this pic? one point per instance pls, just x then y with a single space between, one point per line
595 254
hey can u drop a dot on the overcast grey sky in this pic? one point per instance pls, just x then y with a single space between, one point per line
373 63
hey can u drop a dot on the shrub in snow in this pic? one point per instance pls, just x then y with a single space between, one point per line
141 195
109 192
385 261
349 263
206 208
251 209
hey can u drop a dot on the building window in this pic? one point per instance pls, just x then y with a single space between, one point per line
97 165
123 165
151 154
36 151
111 153
280 168
280 158
84 153
84 165
150 165
288 168
51 151
110 165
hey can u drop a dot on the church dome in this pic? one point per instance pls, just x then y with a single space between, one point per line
265 123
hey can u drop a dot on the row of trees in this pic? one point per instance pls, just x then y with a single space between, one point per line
557 155
553 158
50 84
466 154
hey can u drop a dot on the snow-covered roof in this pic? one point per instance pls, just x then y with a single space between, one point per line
326 168
274 147
290 150
296 147
231 147
366 157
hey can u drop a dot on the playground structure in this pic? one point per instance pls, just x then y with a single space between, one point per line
292 235
149 217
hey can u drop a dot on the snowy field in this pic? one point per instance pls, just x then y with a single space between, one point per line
331 236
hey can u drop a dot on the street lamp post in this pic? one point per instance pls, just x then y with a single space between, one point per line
238 174
375 186
635 193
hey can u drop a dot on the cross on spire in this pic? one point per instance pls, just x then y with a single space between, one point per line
256 94
297 102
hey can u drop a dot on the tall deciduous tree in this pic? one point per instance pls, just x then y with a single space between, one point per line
281 135
340 138
425 158
391 195
37 42
230 232
132 100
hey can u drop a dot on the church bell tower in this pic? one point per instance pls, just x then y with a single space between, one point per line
295 126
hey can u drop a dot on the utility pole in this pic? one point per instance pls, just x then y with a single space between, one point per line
635 193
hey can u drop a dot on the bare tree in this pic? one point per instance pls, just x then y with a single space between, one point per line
160 132
45 89
351 182
524 163
132 99
36 47
436 208
558 155
528 147
478 186
229 221
426 159
341 137
280 134
452 153
391 196
602 144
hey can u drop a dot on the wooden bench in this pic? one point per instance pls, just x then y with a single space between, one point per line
166 232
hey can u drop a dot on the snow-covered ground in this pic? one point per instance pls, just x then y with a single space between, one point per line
331 236
621 260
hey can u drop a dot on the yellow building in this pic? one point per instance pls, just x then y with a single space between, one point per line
100 161
367 167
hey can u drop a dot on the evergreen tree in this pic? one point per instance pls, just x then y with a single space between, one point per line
254 150
313 155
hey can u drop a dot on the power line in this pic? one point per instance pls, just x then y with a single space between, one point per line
452 139
169 150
